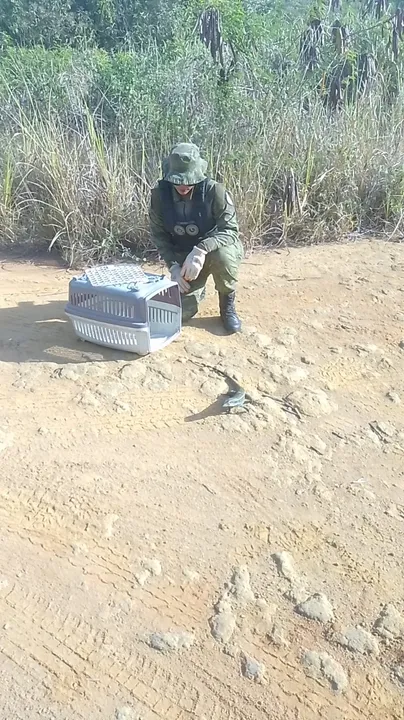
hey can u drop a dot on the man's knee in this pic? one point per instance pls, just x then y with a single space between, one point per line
227 257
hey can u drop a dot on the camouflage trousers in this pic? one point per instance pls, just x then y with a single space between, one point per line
223 264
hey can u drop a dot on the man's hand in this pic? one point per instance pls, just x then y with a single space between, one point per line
176 276
193 264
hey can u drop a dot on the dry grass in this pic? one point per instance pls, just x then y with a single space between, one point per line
70 184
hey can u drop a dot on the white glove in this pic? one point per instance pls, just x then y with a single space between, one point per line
193 263
175 271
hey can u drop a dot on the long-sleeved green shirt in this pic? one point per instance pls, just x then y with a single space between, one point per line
219 206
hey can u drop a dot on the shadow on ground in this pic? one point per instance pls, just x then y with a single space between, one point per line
43 333
212 325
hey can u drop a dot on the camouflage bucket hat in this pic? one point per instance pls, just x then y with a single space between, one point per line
184 165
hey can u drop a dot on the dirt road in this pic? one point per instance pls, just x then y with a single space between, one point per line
162 560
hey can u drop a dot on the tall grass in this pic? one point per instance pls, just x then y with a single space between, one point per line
82 136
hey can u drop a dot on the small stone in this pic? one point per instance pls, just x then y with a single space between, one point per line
398 673
126 713
393 511
312 403
171 641
285 564
153 566
241 587
390 624
252 669
133 372
223 626
317 607
42 431
321 665
394 397
142 577
358 640
401 344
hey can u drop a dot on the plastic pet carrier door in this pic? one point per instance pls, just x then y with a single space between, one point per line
122 307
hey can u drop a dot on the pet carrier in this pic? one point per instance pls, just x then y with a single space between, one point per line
122 307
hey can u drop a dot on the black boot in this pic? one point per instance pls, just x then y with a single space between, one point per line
228 314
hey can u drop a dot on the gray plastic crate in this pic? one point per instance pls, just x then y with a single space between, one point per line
122 307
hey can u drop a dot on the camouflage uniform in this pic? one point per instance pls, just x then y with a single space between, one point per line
223 246
206 219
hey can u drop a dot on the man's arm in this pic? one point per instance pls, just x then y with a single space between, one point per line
160 237
224 213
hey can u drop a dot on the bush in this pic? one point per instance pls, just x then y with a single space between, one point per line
82 134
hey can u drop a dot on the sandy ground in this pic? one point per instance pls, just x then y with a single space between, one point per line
161 559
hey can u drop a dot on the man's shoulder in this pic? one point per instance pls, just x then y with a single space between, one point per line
219 192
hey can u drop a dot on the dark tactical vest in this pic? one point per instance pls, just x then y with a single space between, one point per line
186 233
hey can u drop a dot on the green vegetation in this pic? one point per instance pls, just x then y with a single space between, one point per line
297 105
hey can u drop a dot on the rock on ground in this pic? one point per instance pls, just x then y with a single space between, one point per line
390 624
153 566
359 640
171 641
320 665
398 673
252 669
317 607
126 713
241 588
285 564
223 626
394 397
142 577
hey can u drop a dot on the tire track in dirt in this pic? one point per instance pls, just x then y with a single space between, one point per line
147 411
77 653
